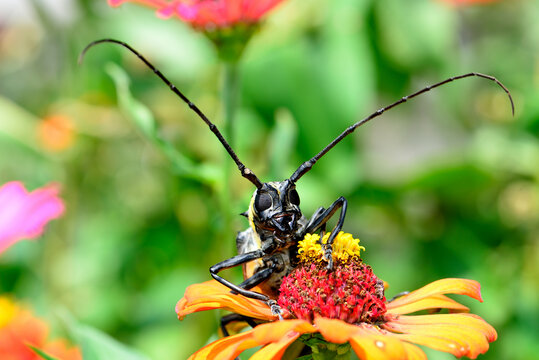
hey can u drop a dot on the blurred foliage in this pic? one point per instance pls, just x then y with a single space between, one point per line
446 185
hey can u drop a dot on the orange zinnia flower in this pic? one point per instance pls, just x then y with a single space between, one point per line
20 329
56 132
345 306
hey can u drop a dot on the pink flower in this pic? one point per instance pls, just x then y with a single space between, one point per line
23 215
207 14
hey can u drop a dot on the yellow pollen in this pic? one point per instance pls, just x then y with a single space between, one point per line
344 248
8 310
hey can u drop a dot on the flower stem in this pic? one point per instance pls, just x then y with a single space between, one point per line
230 97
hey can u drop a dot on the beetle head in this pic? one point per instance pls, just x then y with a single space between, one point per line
275 208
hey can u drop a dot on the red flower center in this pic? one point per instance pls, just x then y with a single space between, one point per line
350 292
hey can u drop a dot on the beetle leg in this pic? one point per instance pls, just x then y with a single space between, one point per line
241 259
257 278
275 308
314 218
398 296
235 261
322 233
230 318
322 219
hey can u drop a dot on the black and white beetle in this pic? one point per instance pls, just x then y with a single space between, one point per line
267 249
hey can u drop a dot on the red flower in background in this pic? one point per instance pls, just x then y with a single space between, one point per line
467 2
207 14
19 329
23 214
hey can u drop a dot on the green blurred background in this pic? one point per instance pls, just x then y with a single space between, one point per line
444 186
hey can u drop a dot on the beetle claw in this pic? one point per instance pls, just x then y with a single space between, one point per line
275 308
328 256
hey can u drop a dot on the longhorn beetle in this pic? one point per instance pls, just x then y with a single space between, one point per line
267 249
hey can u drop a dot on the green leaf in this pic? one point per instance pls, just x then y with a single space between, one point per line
324 350
415 47
305 357
313 339
41 353
97 345
18 124
143 119
294 350
282 143
138 113
350 85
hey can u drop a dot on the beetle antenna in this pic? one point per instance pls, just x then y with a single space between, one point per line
307 165
245 172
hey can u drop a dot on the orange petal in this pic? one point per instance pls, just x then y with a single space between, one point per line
225 348
468 342
213 295
367 341
434 342
413 352
440 287
458 334
469 320
370 343
276 350
281 333
59 349
432 302
274 331
334 330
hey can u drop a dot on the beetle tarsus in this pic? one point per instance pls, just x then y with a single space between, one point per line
275 308
328 255
398 296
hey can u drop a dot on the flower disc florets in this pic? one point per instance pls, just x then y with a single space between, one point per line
349 292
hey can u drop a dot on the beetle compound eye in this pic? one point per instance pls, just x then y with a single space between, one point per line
293 197
263 201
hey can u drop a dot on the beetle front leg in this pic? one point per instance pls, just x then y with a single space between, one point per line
250 282
233 262
320 222
257 278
